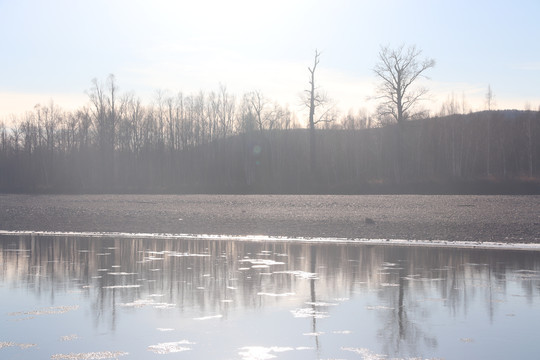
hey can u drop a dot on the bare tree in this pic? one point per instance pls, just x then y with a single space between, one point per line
257 103
398 69
321 109
489 98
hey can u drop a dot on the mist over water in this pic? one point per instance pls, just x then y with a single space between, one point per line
75 298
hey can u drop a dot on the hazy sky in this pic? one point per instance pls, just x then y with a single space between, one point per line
53 49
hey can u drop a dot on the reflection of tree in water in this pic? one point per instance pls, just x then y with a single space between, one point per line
313 270
204 277
400 335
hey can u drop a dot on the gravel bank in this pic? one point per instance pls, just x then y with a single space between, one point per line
455 218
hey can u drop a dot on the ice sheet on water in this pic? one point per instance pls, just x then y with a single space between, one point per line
141 303
379 307
102 355
121 273
320 303
366 353
260 267
53 310
164 329
261 238
209 317
314 333
264 353
171 347
5 344
309 312
275 295
299 274
69 337
122 287
262 262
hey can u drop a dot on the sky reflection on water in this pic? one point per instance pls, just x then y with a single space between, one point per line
106 298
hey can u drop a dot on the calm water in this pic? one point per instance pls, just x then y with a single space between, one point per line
106 298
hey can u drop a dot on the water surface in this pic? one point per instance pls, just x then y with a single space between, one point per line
106 298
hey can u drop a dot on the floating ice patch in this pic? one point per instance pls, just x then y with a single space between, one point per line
153 258
69 337
186 254
102 355
170 347
298 274
5 344
366 353
342 332
527 274
164 329
320 303
260 352
121 286
275 295
261 262
379 307
260 266
53 310
309 312
140 303
314 333
209 317
122 273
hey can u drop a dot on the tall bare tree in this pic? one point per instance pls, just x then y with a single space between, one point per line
399 69
321 109
489 99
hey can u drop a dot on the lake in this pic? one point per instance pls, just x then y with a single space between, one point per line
67 297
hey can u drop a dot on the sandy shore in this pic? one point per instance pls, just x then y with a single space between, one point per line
507 219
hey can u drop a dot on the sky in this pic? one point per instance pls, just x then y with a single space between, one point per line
51 50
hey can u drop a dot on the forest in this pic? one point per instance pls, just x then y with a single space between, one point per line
218 143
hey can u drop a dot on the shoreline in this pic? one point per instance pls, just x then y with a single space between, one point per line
454 219
487 245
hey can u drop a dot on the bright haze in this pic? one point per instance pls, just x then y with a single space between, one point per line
51 50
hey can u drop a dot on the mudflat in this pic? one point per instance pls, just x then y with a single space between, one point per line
513 219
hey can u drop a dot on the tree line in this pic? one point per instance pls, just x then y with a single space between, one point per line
215 143
218 142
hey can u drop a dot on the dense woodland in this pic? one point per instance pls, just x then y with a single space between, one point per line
218 143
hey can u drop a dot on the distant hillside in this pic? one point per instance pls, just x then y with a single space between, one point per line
486 152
